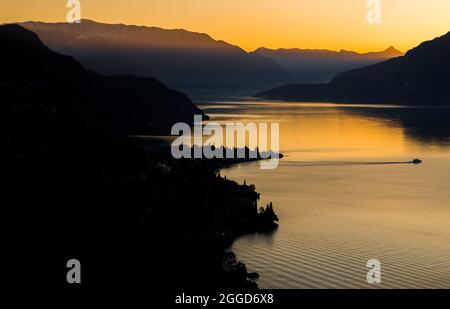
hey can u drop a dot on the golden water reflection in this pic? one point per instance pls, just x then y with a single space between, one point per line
336 209
311 131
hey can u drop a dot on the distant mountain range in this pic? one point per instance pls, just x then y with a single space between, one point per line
421 76
35 78
188 61
194 62
320 65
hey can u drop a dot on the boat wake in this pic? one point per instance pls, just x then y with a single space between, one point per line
339 163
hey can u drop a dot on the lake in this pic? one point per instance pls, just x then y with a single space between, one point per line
341 202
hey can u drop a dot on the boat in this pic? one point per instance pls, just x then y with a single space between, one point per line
416 161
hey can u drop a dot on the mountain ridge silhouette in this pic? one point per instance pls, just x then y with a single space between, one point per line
321 65
188 61
33 75
420 77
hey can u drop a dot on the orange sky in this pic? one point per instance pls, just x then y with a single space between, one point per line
331 24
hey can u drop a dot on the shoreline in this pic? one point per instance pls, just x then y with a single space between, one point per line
239 215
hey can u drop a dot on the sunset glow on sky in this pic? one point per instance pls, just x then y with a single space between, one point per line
327 24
